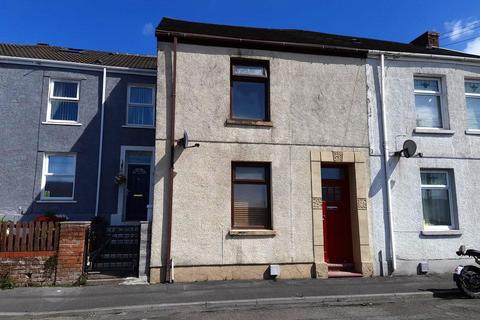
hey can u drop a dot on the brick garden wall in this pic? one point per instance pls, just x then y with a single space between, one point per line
34 269
37 268
71 252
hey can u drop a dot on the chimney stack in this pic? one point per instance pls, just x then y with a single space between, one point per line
428 40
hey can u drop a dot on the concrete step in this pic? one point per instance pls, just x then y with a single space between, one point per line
107 277
340 266
344 274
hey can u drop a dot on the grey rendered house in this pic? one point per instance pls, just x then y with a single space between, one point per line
79 138
432 99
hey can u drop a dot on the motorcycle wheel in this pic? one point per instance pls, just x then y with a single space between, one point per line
469 283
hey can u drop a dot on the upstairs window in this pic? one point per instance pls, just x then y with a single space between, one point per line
141 107
63 101
437 199
428 103
251 195
58 176
249 90
472 96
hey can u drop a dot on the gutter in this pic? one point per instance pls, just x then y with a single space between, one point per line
100 143
75 65
379 53
386 158
276 45
168 258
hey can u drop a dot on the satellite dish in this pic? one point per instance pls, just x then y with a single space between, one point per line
185 140
409 148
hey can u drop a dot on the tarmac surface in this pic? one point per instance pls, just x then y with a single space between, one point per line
218 299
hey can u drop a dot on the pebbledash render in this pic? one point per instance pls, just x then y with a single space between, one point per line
434 101
316 114
269 154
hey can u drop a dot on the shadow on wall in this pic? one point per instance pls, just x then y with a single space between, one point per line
379 182
86 149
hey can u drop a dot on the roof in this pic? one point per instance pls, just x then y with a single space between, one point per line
291 38
48 52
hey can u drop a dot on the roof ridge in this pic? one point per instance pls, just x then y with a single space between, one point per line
45 45
280 29
77 55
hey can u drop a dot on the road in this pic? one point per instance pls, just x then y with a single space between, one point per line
450 307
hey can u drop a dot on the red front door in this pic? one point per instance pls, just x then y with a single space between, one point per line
336 214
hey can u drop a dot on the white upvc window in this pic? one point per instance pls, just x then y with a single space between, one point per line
63 99
58 179
141 105
428 103
437 199
472 97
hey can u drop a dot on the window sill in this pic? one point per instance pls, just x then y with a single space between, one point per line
253 123
62 123
473 132
441 232
56 201
252 232
433 131
130 126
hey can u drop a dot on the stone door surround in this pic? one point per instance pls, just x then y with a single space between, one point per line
360 234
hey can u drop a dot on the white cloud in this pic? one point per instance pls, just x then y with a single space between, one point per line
148 29
457 29
473 46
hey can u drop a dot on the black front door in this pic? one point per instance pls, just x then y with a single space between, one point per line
138 192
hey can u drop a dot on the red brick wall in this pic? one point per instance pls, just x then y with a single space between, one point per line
28 268
64 266
71 251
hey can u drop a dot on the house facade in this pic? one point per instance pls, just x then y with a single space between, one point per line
248 153
53 99
79 140
270 154
432 100
268 127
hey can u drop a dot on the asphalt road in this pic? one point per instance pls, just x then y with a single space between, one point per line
54 299
450 307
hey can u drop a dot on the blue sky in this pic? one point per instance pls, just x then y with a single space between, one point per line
128 25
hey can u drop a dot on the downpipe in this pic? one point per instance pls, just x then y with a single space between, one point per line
169 276
100 142
386 158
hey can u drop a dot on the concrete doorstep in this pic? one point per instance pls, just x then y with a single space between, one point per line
23 302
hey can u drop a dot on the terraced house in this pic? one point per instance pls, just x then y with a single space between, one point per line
271 161
431 98
248 153
281 123
79 138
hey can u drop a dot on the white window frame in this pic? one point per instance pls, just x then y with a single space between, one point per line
471 95
52 97
45 173
447 187
141 85
439 93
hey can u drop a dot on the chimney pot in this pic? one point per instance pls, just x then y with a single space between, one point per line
428 40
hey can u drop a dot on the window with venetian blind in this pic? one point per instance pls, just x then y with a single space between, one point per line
251 204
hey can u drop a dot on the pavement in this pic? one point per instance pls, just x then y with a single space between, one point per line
48 301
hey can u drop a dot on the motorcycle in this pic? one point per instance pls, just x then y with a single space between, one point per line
467 278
